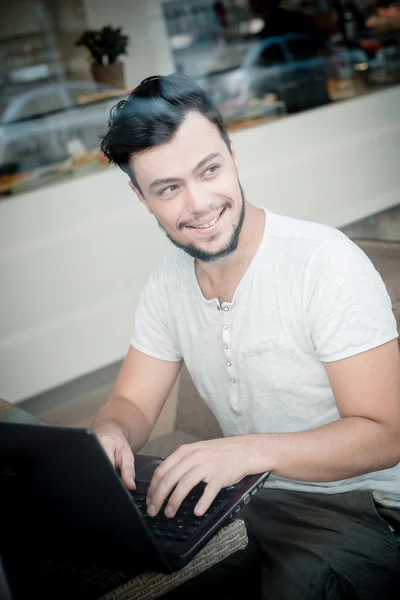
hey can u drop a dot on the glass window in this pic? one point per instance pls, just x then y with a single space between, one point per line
256 67
270 55
306 48
53 111
314 53
33 103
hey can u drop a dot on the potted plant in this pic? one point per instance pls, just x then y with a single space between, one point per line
105 46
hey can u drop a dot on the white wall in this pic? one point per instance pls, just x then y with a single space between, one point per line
74 256
333 165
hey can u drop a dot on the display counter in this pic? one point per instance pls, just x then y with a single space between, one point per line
46 147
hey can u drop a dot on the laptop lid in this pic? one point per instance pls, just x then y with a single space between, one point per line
61 492
64 494
5 592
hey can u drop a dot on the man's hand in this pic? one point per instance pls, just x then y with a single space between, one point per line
218 463
119 452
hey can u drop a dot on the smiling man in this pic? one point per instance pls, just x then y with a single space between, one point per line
288 333
203 238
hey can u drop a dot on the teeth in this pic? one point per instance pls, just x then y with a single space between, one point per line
207 225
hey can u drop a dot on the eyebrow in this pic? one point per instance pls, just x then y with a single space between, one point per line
159 182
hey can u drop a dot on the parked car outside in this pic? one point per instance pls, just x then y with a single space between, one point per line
37 126
46 132
295 68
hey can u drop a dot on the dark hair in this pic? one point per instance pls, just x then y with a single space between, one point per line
151 116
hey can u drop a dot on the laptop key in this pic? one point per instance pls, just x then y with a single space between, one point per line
184 525
157 533
190 530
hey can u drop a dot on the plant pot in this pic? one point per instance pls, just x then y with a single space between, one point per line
112 74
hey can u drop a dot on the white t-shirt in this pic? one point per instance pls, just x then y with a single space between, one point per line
309 296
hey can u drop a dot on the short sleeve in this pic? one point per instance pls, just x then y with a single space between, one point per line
350 310
153 332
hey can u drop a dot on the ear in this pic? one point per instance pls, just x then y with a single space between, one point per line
139 196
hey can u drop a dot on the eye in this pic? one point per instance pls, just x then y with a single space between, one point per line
211 170
168 190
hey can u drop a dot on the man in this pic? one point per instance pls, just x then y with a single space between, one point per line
288 333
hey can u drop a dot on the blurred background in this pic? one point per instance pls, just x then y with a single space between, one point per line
310 90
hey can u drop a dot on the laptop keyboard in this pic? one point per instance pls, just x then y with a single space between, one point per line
184 524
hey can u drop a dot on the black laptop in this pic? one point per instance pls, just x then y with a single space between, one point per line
67 508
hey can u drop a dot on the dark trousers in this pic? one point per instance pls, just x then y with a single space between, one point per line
306 546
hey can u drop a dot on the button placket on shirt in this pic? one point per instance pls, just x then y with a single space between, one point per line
227 342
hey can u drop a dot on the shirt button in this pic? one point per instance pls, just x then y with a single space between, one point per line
226 346
229 363
233 380
226 309
224 326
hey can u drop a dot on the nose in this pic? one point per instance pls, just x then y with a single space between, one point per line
198 201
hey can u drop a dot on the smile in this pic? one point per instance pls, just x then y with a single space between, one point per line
209 224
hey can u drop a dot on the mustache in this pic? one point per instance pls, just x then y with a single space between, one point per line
199 216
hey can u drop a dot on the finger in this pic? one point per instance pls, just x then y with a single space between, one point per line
166 465
162 491
185 485
208 497
127 468
165 485
109 449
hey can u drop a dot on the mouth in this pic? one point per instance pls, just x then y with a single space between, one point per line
206 227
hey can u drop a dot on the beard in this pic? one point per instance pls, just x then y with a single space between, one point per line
230 247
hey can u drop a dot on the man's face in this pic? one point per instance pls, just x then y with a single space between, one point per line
191 186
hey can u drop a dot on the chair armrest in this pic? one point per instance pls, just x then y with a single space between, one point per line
229 539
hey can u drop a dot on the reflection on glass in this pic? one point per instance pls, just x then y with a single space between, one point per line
52 112
258 60
270 58
52 131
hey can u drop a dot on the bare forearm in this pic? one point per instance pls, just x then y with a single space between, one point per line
346 448
126 416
